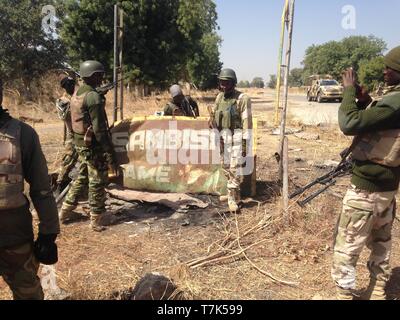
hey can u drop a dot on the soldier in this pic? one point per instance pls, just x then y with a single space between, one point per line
21 157
181 105
369 205
70 156
93 143
232 113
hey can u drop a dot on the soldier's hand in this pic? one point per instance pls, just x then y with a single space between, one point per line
45 249
349 78
362 94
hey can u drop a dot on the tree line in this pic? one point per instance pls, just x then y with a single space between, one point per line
363 54
164 41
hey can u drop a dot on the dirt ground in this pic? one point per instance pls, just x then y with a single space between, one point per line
211 254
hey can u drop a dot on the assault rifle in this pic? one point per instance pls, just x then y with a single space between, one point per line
327 180
107 87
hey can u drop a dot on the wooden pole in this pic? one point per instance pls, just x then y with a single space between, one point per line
116 63
285 188
279 73
120 42
284 167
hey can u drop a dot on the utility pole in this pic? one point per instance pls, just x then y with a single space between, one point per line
283 148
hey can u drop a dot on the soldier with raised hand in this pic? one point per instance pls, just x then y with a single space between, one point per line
369 205
232 116
70 156
93 143
21 158
181 105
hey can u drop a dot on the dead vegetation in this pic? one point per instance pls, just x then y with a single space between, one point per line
253 255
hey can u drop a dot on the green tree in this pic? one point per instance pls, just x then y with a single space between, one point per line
335 56
27 51
243 84
296 77
370 73
272 81
257 82
164 41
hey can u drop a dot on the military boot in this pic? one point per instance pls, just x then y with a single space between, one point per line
233 200
344 294
375 290
96 222
67 213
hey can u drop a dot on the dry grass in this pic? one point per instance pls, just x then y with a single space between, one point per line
254 255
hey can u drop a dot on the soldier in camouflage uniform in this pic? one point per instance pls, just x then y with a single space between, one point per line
21 158
93 143
232 114
369 205
181 105
70 156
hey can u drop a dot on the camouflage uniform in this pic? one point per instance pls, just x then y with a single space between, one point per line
93 144
70 156
369 205
19 268
232 113
22 159
366 219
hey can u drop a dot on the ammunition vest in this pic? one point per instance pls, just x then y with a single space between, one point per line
11 172
381 147
227 114
80 118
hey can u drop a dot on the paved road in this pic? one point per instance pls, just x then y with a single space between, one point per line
309 113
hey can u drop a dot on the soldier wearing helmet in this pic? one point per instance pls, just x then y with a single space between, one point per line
232 116
93 143
70 155
181 105
22 159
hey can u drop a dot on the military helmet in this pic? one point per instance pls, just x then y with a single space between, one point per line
175 91
392 59
228 74
89 67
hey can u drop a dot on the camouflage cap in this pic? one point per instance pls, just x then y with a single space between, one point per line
392 59
89 67
175 90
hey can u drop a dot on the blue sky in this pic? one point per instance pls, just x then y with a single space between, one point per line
250 29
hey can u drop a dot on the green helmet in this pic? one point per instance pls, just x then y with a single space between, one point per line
89 67
227 74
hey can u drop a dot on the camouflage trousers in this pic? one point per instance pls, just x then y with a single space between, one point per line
19 267
231 167
69 159
93 176
366 219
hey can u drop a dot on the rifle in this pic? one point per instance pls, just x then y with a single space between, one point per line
327 180
107 87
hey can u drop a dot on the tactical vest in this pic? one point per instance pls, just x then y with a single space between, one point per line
11 172
381 147
80 118
227 115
